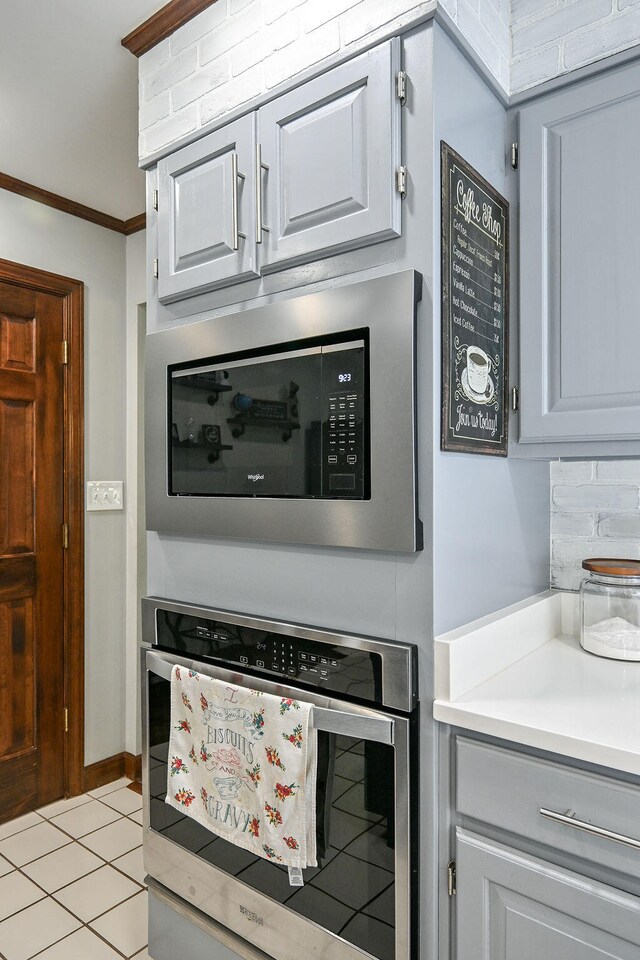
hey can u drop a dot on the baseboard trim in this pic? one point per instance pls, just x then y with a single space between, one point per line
110 769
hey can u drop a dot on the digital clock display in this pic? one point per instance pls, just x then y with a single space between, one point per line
344 378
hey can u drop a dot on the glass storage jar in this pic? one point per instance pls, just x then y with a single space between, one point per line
610 608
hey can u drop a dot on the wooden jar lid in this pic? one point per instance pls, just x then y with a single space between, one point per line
610 567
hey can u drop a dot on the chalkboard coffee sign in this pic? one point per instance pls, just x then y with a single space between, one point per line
475 310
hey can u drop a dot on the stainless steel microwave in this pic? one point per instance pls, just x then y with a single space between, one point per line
290 422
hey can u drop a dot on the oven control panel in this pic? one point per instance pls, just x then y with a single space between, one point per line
332 667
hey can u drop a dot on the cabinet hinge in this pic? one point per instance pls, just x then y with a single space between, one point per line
65 352
401 181
451 878
65 536
66 720
155 268
155 199
401 86
514 155
515 398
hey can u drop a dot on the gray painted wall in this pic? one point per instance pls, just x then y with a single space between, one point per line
50 240
491 515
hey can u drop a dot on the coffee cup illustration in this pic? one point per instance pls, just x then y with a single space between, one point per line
478 370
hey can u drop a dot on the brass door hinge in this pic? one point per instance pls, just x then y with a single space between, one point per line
451 878
66 720
65 536
401 86
515 155
65 352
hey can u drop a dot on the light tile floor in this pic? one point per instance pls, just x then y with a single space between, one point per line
72 882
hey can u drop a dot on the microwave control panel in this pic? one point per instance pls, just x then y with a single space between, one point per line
334 668
344 453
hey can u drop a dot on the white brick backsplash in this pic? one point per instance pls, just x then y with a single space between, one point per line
309 49
572 524
172 72
572 470
451 7
575 551
193 31
314 14
154 59
619 470
255 49
620 525
623 4
557 23
491 18
196 87
594 496
469 22
527 71
530 9
225 98
274 9
230 33
168 131
593 44
566 576
155 110
368 15
595 511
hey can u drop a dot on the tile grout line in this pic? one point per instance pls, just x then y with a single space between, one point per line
51 896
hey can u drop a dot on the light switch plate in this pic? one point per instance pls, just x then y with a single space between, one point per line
105 495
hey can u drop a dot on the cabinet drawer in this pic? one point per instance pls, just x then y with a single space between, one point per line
508 790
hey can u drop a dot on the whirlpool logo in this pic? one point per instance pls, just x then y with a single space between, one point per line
255 476
250 915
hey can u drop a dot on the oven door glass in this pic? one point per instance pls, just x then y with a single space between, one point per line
353 893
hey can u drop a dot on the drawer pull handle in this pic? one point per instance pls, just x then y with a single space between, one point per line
569 819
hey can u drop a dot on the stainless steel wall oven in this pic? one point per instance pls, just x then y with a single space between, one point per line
360 901
291 422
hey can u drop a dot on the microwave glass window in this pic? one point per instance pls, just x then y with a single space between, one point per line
287 424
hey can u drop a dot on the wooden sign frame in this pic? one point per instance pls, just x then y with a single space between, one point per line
475 310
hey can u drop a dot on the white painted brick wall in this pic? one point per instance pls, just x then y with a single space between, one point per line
595 511
237 49
551 37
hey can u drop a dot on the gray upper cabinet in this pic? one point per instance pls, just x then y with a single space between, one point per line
330 152
511 906
579 299
206 212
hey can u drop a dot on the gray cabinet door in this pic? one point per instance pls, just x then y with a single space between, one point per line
579 262
332 147
515 907
206 212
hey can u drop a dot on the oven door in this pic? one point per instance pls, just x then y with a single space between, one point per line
357 902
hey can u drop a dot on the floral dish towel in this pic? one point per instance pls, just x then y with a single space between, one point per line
243 764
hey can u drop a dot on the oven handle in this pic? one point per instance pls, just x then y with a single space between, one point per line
353 725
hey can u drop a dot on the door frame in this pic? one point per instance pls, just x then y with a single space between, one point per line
71 293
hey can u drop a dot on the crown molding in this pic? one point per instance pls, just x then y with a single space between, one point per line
162 24
49 199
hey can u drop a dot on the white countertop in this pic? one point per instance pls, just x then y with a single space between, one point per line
521 675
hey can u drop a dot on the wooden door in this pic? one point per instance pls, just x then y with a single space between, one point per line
206 213
331 149
31 549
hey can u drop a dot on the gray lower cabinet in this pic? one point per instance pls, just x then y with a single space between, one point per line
318 178
515 907
579 249
329 154
570 892
206 213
